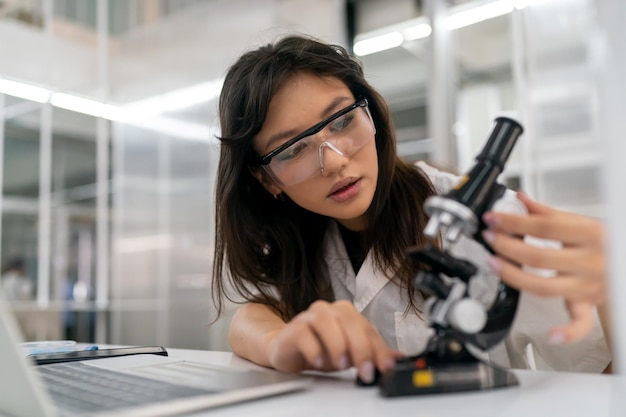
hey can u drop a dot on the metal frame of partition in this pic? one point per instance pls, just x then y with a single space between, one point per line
612 16
102 178
441 86
2 104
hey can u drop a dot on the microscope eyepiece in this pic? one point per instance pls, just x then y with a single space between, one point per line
459 211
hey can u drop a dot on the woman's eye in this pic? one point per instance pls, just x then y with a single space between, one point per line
341 123
295 150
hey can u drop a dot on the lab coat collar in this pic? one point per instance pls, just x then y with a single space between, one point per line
367 283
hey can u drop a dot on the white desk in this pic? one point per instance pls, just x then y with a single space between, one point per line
539 394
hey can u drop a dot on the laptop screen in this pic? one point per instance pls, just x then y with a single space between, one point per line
21 394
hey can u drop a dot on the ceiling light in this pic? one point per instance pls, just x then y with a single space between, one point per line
522 4
459 17
77 104
423 30
163 103
378 43
139 116
176 128
478 14
177 99
24 91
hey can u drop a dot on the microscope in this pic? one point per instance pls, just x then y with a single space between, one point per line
460 323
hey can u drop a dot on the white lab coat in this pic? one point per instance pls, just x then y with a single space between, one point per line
375 295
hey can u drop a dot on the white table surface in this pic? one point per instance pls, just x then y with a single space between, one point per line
539 394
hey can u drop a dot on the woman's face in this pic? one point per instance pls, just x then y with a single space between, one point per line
344 188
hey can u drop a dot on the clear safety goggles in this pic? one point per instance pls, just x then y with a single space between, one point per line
302 157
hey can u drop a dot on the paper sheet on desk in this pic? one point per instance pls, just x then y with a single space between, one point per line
348 374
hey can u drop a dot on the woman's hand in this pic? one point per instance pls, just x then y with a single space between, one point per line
580 264
329 336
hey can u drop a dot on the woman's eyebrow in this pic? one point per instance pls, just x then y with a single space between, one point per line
333 104
288 134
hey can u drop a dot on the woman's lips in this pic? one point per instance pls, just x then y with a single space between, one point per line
345 190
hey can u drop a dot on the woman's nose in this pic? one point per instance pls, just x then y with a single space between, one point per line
331 159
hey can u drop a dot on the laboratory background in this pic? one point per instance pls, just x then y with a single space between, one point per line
108 125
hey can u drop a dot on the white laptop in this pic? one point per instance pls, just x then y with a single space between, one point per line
180 386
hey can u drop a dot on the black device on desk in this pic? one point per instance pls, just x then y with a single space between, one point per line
83 355
446 365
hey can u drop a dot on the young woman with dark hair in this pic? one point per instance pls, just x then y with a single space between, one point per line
314 213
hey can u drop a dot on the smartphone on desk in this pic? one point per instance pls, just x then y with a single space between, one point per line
83 355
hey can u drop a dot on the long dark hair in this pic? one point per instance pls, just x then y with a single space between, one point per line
273 250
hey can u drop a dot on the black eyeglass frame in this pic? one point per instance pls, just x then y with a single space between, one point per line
267 158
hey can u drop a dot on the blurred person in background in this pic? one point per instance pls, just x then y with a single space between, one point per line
16 285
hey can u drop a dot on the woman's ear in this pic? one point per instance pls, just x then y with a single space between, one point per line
268 183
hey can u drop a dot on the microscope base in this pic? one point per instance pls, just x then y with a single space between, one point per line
418 378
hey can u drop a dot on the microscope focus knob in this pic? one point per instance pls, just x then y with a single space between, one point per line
468 316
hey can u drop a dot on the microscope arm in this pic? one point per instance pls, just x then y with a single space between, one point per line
458 320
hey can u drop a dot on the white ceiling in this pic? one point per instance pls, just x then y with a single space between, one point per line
200 43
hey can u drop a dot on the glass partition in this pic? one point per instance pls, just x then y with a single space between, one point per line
73 222
162 238
558 72
20 213
484 87
50 165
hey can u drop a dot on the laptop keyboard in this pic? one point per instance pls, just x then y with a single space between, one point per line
79 388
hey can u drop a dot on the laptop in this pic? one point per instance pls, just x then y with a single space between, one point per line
138 385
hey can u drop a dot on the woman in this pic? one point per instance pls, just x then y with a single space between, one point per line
314 212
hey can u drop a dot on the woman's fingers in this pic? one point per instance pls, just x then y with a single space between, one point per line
295 347
366 347
579 265
581 258
533 206
330 336
309 346
581 323
516 250
570 287
547 223
564 228
324 321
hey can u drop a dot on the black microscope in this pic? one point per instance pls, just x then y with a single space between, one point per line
458 320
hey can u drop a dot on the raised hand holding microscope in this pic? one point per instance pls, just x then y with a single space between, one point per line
458 320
